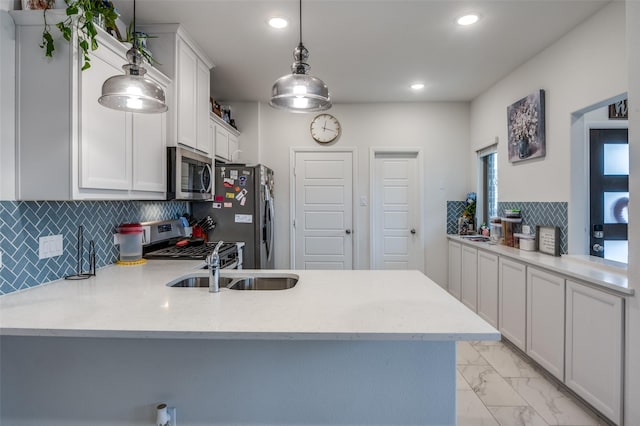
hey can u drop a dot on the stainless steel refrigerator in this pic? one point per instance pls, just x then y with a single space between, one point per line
243 211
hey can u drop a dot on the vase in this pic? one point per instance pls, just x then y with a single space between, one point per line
523 148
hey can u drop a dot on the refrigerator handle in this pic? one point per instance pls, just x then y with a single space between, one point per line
267 225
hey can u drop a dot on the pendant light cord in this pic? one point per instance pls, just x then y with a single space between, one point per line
300 21
135 35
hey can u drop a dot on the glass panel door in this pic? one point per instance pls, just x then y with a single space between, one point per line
609 188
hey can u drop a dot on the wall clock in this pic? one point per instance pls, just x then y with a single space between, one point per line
325 128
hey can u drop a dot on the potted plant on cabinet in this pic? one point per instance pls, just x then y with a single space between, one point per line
82 16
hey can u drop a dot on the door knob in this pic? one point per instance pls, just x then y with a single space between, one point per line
348 231
413 231
597 248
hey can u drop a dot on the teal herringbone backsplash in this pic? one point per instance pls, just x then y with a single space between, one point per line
22 223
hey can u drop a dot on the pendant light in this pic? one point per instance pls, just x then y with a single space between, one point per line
132 91
299 91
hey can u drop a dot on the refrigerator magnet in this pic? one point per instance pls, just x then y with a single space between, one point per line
241 194
228 182
243 181
231 195
244 218
233 174
244 200
218 198
216 205
227 205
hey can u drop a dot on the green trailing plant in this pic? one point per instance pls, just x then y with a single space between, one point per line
138 40
80 16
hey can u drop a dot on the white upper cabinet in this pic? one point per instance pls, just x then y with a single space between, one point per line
149 152
185 62
186 84
226 145
203 143
69 147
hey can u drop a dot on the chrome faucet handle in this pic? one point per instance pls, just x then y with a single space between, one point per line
213 261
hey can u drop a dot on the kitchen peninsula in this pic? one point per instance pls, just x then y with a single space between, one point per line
341 347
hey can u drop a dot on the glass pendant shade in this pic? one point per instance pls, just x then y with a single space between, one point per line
299 91
132 91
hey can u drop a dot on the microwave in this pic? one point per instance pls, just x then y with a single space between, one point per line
189 175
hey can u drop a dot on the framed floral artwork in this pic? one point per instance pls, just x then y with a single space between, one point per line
525 126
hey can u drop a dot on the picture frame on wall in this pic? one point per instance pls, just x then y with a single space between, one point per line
526 128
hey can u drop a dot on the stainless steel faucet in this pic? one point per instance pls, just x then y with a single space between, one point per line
213 263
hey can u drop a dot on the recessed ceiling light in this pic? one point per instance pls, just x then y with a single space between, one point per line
278 23
468 19
417 86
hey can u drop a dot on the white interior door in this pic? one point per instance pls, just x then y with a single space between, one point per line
323 216
396 212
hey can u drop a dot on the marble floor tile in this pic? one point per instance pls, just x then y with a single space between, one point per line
490 387
486 343
468 355
461 383
555 406
517 416
506 362
472 412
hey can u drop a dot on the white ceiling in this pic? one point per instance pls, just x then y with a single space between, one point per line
368 50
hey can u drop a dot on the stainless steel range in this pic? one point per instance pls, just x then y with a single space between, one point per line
160 239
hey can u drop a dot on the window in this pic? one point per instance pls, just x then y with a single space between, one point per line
487 183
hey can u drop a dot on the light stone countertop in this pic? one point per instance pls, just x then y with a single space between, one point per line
134 302
594 271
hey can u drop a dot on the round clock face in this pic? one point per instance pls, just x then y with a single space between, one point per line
325 128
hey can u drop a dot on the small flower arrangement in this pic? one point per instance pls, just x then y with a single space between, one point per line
470 205
524 121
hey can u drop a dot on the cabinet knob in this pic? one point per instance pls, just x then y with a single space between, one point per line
413 231
597 248
348 231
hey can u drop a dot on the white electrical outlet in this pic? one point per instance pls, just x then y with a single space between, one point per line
50 246
526 229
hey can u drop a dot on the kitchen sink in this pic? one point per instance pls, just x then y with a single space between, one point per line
263 283
249 282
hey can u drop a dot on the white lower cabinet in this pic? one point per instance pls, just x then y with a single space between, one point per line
488 287
545 320
455 266
594 348
469 277
512 301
